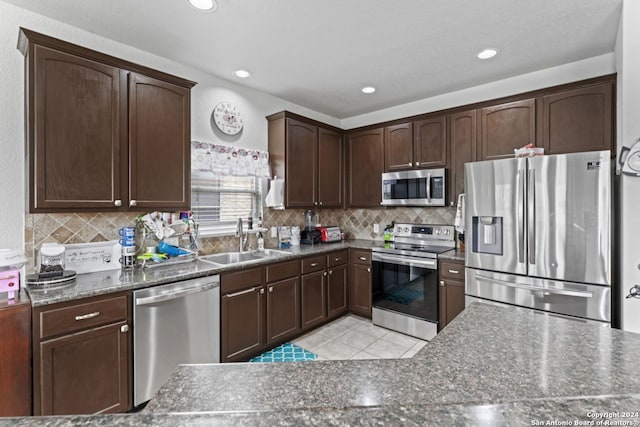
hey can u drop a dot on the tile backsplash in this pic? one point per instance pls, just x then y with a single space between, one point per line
97 227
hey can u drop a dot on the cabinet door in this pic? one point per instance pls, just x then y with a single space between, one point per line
159 144
463 150
301 164
505 127
451 301
330 168
364 169
15 354
313 299
398 147
337 290
85 373
360 290
578 120
74 132
430 142
283 309
243 325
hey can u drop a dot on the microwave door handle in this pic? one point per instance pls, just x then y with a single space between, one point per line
566 292
429 187
531 217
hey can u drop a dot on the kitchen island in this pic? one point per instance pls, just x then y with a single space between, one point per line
490 366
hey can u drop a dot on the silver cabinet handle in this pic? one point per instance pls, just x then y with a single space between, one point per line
442 283
454 272
88 316
118 203
536 288
314 264
133 203
270 288
178 294
362 258
368 269
124 328
337 259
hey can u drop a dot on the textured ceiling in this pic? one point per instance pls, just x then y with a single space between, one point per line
319 54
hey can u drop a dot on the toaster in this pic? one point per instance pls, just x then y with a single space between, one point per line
329 234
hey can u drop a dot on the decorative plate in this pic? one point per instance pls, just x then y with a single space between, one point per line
227 118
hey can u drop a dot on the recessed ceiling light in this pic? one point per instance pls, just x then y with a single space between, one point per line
487 53
368 89
208 5
243 74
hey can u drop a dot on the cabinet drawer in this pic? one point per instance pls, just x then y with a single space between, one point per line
337 258
452 270
72 318
316 263
282 270
238 280
360 256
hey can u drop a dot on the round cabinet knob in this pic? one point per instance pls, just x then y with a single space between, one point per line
118 203
330 272
320 203
325 273
442 283
410 164
133 203
315 203
417 163
262 291
270 288
368 269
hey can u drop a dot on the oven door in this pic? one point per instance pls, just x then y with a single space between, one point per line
405 294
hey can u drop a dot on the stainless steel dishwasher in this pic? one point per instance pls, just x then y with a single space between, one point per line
173 324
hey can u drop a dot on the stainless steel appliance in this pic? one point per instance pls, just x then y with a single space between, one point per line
539 233
173 324
629 296
405 279
330 234
309 235
421 187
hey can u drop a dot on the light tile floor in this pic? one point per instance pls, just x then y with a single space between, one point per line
353 337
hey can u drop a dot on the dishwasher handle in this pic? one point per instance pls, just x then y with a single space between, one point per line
178 293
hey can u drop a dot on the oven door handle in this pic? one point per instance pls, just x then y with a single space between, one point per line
401 260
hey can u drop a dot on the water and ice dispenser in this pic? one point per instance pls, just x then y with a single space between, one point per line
487 235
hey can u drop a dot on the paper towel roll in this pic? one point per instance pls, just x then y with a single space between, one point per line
275 196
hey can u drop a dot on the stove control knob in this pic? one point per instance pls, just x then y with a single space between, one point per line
446 232
438 231
406 229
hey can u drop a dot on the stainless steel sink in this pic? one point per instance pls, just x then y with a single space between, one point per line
226 258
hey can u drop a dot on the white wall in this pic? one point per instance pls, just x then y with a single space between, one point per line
210 90
575 71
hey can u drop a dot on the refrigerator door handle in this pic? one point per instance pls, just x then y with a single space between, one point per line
566 292
520 191
531 215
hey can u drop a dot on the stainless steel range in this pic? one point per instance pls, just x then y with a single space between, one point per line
405 279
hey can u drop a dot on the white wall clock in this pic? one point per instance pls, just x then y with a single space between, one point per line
227 118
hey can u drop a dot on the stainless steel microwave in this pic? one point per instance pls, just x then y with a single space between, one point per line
420 187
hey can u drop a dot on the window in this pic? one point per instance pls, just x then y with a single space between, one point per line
218 201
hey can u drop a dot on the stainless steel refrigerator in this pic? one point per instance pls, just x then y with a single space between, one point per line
538 233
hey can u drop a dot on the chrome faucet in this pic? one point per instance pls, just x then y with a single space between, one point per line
242 238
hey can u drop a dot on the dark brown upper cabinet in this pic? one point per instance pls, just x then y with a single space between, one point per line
579 119
398 147
103 134
463 149
505 127
309 156
365 164
430 142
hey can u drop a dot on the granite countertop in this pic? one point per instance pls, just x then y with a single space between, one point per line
105 282
453 254
491 366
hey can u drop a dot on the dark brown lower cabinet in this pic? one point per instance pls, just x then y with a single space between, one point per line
337 291
283 309
86 372
82 356
15 354
313 299
243 324
451 296
360 283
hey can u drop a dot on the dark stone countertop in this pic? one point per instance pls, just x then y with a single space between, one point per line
453 254
105 282
494 366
